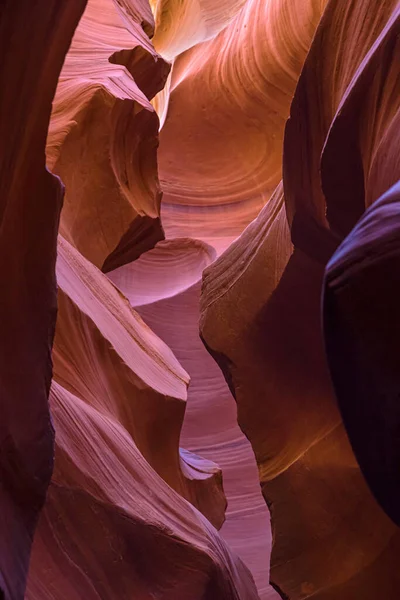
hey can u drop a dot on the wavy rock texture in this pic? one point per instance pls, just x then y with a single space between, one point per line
117 364
228 102
167 128
103 135
118 403
197 75
261 317
168 270
123 515
210 426
180 25
118 394
30 206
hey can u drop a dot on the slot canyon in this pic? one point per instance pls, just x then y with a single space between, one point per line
200 326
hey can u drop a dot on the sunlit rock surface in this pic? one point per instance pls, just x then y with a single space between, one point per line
210 399
261 318
229 98
103 133
210 426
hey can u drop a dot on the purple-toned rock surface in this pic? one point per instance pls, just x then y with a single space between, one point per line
199 246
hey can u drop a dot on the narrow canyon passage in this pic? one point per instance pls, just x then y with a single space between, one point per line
210 429
199 292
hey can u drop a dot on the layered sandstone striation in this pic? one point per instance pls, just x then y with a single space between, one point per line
261 317
103 133
199 235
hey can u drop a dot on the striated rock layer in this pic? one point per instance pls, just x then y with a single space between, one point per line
103 134
227 102
120 517
111 525
230 167
210 425
261 318
132 536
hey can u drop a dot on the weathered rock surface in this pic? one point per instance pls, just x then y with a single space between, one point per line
261 317
227 103
30 204
103 134
132 536
210 424
251 145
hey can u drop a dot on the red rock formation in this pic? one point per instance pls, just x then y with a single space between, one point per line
117 402
30 205
261 314
105 355
210 425
127 512
111 528
120 403
227 105
181 24
103 135
361 279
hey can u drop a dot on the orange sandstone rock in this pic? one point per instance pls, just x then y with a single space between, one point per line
261 320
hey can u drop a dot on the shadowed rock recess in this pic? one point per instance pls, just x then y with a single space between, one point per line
199 307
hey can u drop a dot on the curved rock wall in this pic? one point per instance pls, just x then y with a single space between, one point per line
199 378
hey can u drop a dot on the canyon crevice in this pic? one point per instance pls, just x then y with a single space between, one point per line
200 258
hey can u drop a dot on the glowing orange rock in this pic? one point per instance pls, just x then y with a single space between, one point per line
103 133
227 103
261 312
